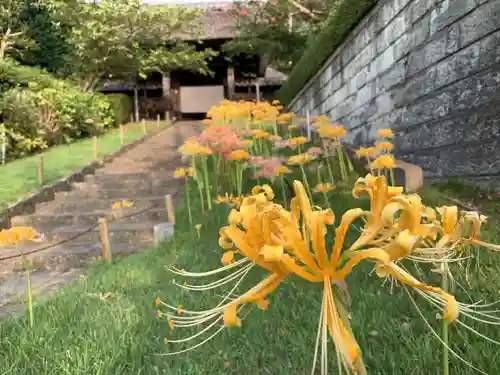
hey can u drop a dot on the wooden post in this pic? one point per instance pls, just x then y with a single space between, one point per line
167 117
122 130
158 121
143 122
136 104
40 170
105 249
170 208
94 143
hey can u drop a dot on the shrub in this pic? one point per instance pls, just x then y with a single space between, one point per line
342 21
121 106
39 111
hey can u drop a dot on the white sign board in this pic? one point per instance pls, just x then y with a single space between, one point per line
199 99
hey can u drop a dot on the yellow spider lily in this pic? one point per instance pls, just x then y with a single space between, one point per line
293 243
385 133
17 235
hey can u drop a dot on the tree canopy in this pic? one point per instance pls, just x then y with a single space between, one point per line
279 30
122 39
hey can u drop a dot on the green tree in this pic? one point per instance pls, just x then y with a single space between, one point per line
124 39
278 30
50 49
13 36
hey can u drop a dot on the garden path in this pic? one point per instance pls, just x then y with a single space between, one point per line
142 176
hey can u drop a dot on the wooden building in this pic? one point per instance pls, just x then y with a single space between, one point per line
185 93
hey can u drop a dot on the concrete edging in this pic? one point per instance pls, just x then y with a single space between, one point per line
27 204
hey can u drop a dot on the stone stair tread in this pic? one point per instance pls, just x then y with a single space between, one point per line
126 212
145 225
112 200
67 248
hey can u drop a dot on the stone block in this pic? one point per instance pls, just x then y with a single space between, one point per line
436 106
416 87
461 159
449 11
434 50
489 48
417 9
479 23
407 175
162 232
480 124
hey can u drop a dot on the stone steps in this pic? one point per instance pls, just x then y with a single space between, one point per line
142 176
116 194
118 232
41 222
68 206
63 257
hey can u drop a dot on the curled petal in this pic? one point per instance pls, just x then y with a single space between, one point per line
451 310
272 253
228 258
231 317
402 245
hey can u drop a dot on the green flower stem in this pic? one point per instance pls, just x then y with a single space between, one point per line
188 199
328 162
30 289
341 162
239 178
350 167
207 183
444 330
304 176
393 181
215 162
327 202
283 191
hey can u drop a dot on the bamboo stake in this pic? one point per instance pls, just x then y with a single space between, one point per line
170 208
105 249
40 170
122 130
94 142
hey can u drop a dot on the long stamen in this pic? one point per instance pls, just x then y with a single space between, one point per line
177 271
220 307
197 334
216 283
437 335
318 335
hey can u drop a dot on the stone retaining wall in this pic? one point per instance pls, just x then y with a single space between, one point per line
430 70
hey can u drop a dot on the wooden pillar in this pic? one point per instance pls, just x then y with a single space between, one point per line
230 82
136 103
146 104
257 90
166 92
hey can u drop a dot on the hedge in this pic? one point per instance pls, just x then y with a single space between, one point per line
38 110
121 106
341 23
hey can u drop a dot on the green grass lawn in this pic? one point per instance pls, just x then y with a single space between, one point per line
76 333
20 177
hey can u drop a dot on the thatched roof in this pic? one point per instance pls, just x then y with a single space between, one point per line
217 22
